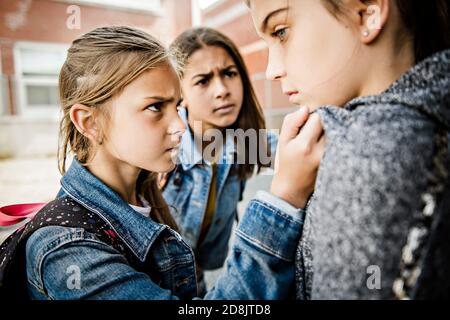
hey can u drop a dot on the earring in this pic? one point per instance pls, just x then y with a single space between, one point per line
366 33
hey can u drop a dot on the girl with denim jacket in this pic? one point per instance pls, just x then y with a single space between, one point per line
119 91
219 102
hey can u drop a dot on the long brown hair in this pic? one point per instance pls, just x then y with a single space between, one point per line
99 65
251 115
427 22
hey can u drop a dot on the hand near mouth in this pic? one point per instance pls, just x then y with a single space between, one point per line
300 148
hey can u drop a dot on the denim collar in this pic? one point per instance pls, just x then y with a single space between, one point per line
190 155
137 231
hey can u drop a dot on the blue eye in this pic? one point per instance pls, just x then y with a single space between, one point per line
281 34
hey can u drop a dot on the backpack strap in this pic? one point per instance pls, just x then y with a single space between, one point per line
64 212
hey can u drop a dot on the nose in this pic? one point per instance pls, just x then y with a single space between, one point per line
275 66
221 89
177 127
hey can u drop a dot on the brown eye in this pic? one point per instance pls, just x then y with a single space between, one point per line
231 74
156 107
202 82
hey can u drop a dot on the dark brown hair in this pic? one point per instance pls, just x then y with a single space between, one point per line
99 65
427 22
251 114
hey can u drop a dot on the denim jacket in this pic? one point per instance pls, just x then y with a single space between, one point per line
187 192
261 265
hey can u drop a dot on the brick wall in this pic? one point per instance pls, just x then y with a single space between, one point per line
45 21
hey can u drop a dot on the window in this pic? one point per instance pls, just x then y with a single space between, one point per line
37 70
204 4
140 5
3 95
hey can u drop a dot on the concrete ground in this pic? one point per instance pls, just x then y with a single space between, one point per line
29 180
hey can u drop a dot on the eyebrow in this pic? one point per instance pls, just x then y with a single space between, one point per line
163 99
265 22
208 75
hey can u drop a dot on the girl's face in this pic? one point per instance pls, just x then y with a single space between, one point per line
144 129
212 88
311 53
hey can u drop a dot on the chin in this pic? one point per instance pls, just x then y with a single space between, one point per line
226 122
171 167
171 164
167 166
163 165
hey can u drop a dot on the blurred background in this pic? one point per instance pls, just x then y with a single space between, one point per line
34 37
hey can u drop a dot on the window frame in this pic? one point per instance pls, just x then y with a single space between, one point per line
121 5
21 81
212 5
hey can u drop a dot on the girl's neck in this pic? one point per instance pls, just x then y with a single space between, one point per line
385 71
117 175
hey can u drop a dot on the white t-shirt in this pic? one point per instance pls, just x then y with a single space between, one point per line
145 209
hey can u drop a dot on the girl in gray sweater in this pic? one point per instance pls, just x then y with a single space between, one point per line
377 75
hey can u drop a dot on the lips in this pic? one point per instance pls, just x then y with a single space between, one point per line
174 147
291 93
224 108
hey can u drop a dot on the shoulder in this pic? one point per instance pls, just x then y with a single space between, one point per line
394 132
55 240
50 238
384 148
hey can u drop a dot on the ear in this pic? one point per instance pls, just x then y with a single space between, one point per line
83 118
374 15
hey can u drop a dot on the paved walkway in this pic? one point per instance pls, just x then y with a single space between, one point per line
27 180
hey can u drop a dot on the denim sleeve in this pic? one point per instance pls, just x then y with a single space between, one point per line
272 138
261 265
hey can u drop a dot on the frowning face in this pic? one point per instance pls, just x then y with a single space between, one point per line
212 88
144 129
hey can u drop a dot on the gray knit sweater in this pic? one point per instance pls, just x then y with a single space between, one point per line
370 185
